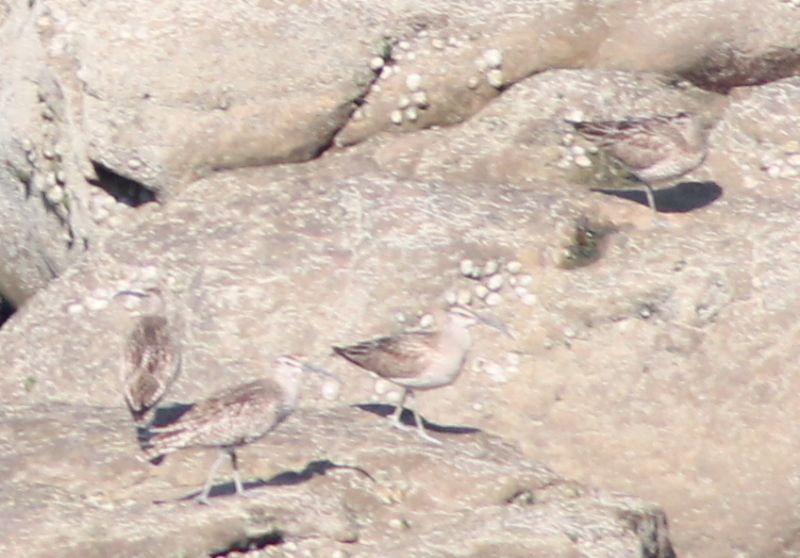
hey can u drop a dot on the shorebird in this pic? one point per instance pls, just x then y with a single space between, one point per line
653 149
152 358
419 360
233 418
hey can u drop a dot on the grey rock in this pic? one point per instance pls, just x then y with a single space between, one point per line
334 476
691 408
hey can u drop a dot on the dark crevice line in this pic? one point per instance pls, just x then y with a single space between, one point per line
249 544
6 311
361 99
121 188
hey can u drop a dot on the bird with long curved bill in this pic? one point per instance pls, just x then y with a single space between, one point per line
420 360
234 417
151 361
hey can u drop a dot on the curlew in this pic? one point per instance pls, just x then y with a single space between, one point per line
419 360
233 418
151 360
653 149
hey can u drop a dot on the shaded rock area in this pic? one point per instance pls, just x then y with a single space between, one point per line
338 482
296 175
6 310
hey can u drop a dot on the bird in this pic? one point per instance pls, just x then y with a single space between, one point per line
233 418
419 360
152 358
653 148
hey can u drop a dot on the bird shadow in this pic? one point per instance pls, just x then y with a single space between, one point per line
407 418
680 198
166 415
313 469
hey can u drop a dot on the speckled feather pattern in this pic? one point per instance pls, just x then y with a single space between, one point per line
233 417
417 359
151 364
654 148
404 355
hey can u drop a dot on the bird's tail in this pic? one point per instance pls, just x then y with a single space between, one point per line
354 352
141 417
596 130
156 443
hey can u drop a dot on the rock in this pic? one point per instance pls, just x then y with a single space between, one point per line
263 257
324 477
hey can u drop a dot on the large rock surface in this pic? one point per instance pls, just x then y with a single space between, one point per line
326 480
663 369
141 98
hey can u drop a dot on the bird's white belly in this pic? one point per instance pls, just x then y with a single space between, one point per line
436 375
671 167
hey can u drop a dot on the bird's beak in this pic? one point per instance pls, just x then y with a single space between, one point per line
145 295
140 294
321 371
494 323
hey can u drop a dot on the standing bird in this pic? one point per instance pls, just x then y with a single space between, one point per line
419 360
233 418
653 149
152 358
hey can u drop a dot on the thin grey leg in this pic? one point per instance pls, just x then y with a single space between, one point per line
212 473
237 481
651 197
420 426
398 412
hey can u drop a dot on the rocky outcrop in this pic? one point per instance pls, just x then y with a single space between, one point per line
336 482
103 110
435 165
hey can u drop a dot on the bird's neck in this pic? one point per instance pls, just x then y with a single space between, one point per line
458 335
291 390
695 136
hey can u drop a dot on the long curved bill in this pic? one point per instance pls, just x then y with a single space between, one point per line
495 323
321 371
131 292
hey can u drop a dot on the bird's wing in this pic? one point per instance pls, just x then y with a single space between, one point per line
400 356
225 418
152 362
637 142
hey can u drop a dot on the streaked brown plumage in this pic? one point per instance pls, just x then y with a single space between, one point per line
419 360
233 418
653 149
151 363
398 358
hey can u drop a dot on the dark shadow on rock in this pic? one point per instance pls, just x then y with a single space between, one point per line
680 198
168 414
407 418
6 310
287 478
313 469
123 189
163 416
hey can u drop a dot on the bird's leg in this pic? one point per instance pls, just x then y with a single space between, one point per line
420 425
212 473
237 481
398 413
651 197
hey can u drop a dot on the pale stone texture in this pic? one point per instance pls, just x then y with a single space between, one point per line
162 92
664 369
325 480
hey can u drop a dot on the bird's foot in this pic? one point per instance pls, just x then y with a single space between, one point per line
659 221
397 423
202 499
427 437
244 494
